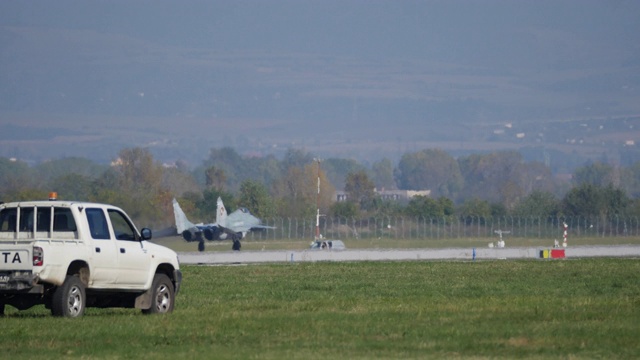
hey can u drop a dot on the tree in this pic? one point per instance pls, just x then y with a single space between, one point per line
231 169
496 177
599 174
29 194
296 158
138 171
254 196
360 189
55 169
593 200
229 162
630 180
296 193
475 207
177 180
431 169
385 208
634 208
498 210
538 204
207 206
15 176
188 203
139 187
616 201
383 174
345 209
74 187
214 177
338 169
446 205
265 169
425 207
293 193
583 200
536 176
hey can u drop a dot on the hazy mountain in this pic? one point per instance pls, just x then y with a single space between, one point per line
357 79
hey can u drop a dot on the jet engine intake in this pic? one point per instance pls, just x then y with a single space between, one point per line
212 233
190 235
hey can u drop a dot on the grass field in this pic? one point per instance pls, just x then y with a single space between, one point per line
570 309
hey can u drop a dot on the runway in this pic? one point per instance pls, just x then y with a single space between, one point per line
470 254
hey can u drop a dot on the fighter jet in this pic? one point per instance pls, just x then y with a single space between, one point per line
232 226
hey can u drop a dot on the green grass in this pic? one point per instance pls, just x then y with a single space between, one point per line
577 309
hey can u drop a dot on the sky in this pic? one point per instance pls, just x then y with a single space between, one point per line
85 78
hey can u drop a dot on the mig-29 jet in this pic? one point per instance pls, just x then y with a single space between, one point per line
232 226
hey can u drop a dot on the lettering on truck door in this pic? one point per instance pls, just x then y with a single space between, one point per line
133 260
103 249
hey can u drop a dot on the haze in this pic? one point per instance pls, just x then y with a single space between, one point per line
351 79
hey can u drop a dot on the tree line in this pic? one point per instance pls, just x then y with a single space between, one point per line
480 185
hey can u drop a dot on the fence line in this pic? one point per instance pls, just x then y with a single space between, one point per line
399 227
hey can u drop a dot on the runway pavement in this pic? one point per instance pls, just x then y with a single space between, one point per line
246 257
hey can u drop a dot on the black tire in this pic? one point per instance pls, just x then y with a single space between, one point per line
69 299
236 244
163 295
201 245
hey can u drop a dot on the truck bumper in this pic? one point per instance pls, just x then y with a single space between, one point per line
177 276
22 281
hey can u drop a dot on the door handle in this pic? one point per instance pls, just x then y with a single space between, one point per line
97 249
122 251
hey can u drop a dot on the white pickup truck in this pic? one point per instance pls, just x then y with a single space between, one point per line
72 255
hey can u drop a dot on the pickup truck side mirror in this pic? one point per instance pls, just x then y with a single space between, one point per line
145 233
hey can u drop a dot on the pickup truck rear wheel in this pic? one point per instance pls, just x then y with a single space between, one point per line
69 299
163 295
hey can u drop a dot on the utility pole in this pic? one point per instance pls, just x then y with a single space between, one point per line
318 202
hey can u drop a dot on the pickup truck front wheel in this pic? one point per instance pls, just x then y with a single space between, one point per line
163 295
69 299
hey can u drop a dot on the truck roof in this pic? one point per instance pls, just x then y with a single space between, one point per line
46 203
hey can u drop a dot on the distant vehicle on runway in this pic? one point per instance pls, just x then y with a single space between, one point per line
233 226
327 245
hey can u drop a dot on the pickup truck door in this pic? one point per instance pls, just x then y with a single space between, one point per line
104 259
133 259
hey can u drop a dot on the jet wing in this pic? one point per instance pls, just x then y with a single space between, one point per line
245 226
